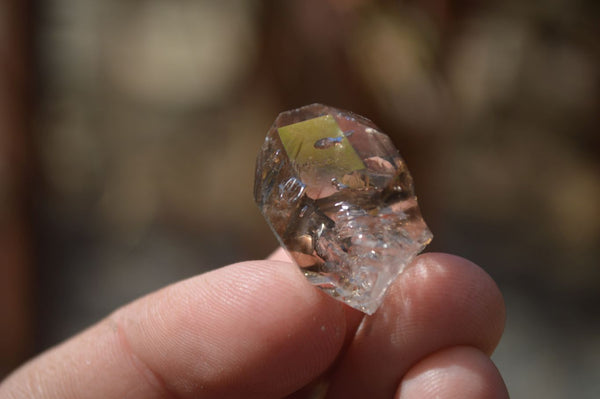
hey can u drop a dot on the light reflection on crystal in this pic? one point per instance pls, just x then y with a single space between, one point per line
340 200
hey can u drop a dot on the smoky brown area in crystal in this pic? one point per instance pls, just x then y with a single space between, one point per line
341 201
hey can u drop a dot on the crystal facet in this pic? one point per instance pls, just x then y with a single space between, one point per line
340 200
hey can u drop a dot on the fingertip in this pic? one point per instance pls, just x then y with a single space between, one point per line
457 283
459 372
446 299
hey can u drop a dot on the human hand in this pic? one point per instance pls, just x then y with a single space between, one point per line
259 330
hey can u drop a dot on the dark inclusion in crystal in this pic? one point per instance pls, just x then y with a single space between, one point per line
340 200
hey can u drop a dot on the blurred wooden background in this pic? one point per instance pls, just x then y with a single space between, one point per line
16 284
129 131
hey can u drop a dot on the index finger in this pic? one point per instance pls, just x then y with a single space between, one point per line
440 301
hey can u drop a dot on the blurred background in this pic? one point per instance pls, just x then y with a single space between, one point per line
129 130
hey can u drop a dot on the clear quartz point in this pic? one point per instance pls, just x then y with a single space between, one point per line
340 200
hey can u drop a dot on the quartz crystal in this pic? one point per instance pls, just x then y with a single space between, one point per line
340 200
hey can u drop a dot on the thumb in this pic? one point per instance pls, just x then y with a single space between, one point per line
252 329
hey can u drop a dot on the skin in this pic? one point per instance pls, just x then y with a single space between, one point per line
259 330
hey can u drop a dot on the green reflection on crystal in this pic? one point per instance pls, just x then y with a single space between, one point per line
320 142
